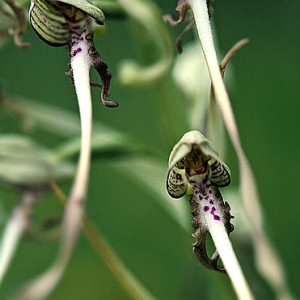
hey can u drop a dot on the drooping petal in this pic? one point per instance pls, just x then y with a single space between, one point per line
176 183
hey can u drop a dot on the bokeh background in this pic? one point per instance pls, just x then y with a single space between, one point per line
265 93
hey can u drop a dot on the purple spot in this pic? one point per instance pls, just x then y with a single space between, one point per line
212 211
76 51
210 191
206 208
200 198
211 202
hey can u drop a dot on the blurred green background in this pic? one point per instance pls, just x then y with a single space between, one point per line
265 97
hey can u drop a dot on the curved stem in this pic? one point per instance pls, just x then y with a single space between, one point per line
45 283
201 16
273 272
74 209
16 225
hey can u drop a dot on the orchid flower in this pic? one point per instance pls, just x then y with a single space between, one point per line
196 169
68 23
273 272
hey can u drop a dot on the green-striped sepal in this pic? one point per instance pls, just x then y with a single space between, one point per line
54 21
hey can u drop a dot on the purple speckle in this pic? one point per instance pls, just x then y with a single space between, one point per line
211 202
76 51
206 208
216 217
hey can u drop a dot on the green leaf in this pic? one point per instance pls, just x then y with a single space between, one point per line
24 163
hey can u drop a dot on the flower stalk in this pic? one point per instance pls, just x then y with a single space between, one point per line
17 224
195 168
68 23
80 64
249 194
273 272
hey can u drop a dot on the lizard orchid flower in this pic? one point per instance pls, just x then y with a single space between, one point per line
195 168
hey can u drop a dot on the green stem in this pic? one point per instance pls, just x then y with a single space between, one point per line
201 17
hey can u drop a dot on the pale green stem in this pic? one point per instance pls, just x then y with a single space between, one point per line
14 229
229 259
273 272
72 221
200 11
44 284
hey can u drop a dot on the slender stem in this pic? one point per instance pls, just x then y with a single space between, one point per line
74 209
45 283
230 262
201 16
74 213
82 86
231 53
274 273
17 224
